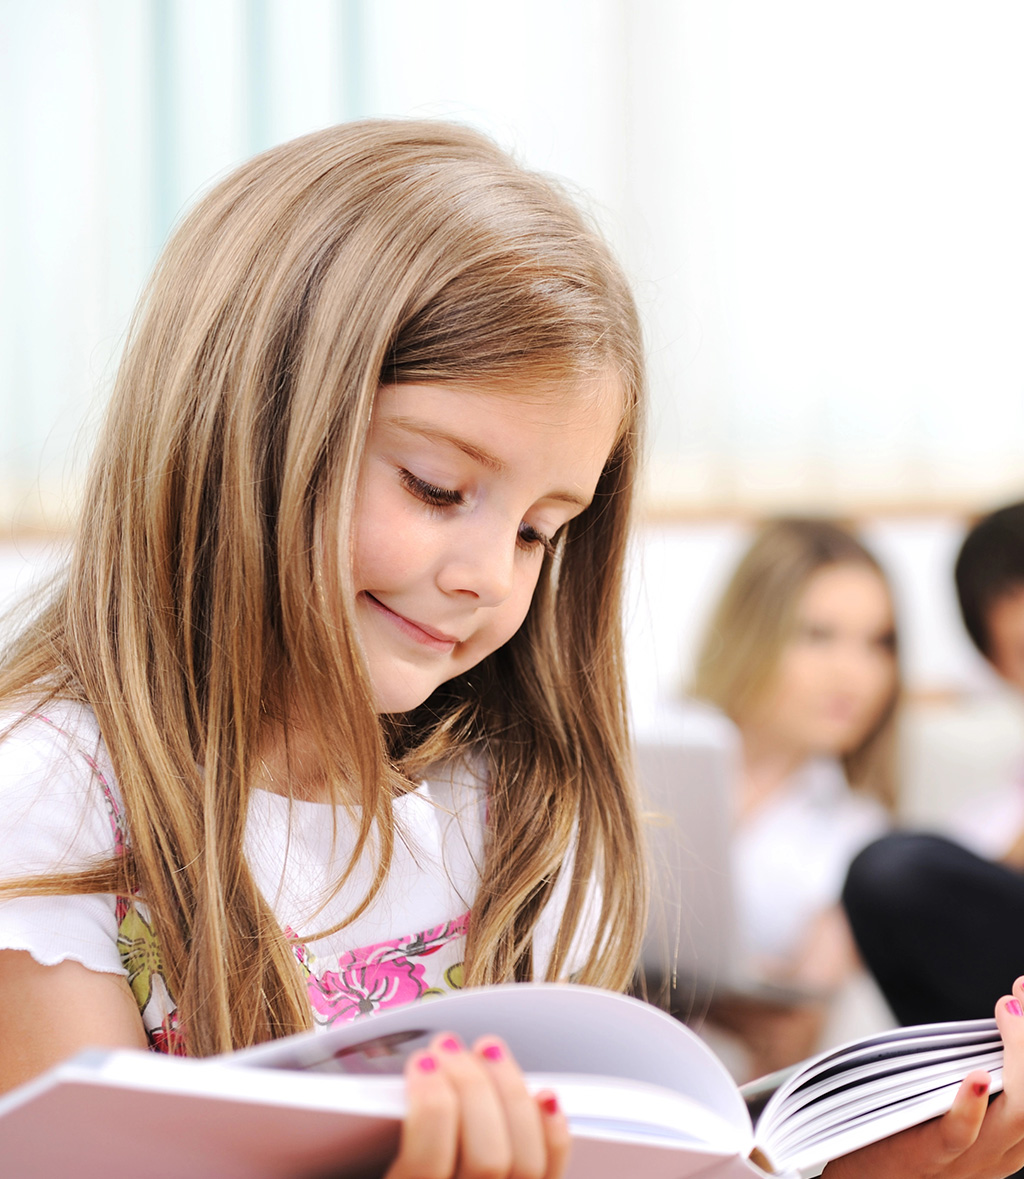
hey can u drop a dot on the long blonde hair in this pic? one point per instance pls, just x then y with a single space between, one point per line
210 565
755 619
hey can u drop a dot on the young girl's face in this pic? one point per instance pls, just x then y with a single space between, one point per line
461 492
837 673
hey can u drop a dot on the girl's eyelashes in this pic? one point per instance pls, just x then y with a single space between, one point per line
530 538
429 493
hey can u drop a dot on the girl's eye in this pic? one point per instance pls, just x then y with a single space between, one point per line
530 538
428 493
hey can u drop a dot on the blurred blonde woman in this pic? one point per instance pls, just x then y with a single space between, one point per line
801 655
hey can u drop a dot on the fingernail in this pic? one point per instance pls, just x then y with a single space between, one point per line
1014 1008
427 1064
980 1088
493 1052
450 1044
549 1104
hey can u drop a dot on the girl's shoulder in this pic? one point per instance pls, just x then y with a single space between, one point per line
58 799
56 725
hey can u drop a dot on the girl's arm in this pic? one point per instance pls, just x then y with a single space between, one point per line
48 1013
470 1114
975 1140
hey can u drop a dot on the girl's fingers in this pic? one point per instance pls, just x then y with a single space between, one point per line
523 1115
958 1128
470 1115
429 1143
1010 1018
1002 1135
556 1134
485 1145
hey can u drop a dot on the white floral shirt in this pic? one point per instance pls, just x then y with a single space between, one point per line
60 809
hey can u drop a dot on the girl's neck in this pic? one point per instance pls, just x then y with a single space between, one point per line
288 764
767 764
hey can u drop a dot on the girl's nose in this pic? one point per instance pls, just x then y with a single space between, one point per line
483 566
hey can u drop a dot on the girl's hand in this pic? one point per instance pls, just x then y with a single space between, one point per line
470 1116
975 1140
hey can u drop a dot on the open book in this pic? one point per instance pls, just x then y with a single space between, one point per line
644 1095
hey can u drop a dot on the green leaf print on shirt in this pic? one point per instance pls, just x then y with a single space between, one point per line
139 948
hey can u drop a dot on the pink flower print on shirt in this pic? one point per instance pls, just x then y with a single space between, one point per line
361 987
381 975
167 1038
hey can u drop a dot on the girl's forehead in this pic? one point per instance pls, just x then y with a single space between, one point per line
496 415
566 402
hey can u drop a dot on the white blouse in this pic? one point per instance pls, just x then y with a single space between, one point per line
60 809
790 856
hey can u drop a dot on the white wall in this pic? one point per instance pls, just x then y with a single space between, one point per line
819 205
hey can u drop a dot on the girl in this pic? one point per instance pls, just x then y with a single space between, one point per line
327 712
801 655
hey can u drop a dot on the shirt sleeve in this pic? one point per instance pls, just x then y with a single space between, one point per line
57 814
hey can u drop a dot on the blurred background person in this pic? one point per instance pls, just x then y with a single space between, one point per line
989 575
801 655
937 918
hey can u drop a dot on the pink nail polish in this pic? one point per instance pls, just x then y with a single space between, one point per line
1014 1008
450 1044
980 1088
493 1052
427 1064
549 1105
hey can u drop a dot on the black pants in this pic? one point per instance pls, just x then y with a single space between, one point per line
941 930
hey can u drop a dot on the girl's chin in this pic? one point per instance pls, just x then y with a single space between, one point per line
390 706
394 699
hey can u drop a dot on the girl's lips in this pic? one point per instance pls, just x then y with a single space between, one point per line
419 632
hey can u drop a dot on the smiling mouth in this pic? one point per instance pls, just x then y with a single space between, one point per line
419 632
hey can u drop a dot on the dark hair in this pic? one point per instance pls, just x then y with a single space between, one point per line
989 566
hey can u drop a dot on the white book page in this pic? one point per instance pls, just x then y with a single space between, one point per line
900 1048
839 1141
842 1108
608 1107
871 1079
549 1028
830 1105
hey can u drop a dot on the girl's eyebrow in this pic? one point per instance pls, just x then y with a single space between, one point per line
478 454
428 430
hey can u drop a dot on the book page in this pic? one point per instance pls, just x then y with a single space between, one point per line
832 1104
549 1028
882 1124
863 1091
